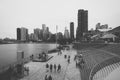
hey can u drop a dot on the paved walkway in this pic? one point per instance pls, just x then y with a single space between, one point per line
68 71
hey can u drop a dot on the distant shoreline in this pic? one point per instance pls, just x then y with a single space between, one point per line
30 43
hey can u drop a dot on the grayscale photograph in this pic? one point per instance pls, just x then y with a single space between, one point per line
59 40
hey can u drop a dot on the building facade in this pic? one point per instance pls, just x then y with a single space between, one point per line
24 34
82 24
18 34
37 32
66 34
72 30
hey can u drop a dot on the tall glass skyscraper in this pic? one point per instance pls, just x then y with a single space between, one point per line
72 30
82 24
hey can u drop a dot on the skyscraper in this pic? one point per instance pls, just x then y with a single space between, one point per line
72 30
18 34
82 24
37 33
24 34
66 34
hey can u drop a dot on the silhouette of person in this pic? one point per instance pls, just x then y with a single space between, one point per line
51 66
59 68
46 77
50 77
47 67
55 67
68 60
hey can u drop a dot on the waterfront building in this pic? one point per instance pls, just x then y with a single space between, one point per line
59 36
18 34
72 30
82 24
33 37
45 32
66 33
37 32
24 34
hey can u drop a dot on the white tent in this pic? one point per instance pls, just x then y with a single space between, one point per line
109 36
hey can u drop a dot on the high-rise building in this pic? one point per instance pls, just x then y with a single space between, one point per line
24 34
72 30
66 33
18 34
33 37
37 33
82 24
45 32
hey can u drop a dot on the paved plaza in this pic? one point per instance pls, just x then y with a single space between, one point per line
68 71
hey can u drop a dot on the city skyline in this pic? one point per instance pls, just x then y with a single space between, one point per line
32 14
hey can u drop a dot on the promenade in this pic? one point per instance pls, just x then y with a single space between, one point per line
92 57
68 70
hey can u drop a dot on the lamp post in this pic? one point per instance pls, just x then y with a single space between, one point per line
56 35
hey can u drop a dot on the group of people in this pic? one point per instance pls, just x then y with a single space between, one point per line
67 57
79 61
59 53
48 77
51 67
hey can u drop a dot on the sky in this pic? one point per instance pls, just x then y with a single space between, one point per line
33 13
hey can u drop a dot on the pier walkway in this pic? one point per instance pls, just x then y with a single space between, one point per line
68 70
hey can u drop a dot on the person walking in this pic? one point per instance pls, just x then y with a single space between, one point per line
55 67
68 60
59 68
51 66
47 67
46 77
50 77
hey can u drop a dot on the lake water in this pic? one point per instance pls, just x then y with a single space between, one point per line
8 52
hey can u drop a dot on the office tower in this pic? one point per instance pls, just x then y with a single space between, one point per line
33 37
18 34
37 32
72 31
24 34
82 24
66 33
43 27
59 36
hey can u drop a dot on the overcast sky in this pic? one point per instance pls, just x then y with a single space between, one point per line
33 13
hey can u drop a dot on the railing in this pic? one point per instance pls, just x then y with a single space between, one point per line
101 65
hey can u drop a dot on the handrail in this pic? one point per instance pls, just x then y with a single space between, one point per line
102 64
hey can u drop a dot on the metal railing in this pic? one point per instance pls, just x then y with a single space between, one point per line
101 65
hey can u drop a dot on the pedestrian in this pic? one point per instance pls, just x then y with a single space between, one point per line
50 77
69 57
65 56
68 60
51 66
59 68
55 67
47 67
46 77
